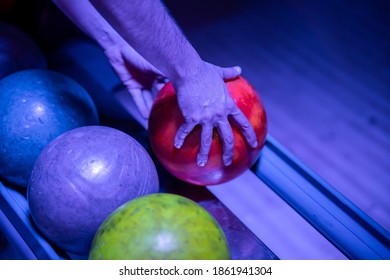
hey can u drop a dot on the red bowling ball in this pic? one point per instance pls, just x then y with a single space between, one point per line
166 118
81 177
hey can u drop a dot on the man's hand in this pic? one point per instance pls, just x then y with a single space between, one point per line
204 100
141 78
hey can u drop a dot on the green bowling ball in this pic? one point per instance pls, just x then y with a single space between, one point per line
162 227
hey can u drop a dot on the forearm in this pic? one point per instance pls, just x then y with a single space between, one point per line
150 30
88 19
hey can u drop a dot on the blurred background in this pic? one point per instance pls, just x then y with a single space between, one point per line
322 69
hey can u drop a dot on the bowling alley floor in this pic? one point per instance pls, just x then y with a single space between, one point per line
322 69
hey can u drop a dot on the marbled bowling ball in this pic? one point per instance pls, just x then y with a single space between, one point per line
81 177
35 107
162 227
166 118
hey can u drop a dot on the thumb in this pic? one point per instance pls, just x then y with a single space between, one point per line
231 72
227 72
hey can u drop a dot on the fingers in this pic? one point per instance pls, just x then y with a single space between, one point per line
137 95
205 144
182 133
143 98
226 133
245 126
148 99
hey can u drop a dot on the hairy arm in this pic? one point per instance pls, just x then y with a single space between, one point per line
147 26
85 16
137 74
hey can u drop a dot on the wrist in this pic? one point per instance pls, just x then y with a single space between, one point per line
191 70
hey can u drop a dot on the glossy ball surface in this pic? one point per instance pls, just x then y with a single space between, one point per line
166 118
160 226
81 177
35 107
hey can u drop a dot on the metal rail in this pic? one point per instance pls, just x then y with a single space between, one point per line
344 224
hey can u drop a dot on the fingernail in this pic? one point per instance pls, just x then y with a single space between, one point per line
177 145
255 144
238 69
227 161
201 163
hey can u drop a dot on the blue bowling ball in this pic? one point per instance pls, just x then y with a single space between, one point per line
81 177
18 51
35 107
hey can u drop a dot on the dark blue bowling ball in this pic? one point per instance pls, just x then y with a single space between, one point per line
18 51
81 177
35 107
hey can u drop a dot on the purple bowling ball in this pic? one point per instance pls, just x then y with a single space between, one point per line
81 177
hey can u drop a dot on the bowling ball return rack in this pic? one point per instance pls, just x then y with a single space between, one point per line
241 207
278 209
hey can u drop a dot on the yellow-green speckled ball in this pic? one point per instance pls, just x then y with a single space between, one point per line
162 227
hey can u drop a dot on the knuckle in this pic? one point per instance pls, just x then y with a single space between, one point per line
180 138
229 140
207 142
220 114
246 125
207 117
195 118
231 105
184 131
